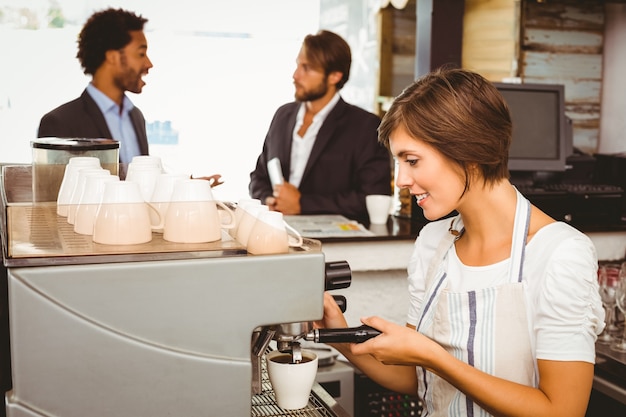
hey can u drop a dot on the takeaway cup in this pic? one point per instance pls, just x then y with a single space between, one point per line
378 207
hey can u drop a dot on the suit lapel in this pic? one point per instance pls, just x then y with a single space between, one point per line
324 135
96 115
140 129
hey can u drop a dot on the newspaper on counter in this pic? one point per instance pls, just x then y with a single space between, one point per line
317 226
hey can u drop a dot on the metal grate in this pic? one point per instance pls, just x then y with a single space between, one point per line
264 404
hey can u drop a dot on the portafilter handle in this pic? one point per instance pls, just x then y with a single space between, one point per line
345 335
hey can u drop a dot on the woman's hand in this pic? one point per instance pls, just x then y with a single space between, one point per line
396 345
333 316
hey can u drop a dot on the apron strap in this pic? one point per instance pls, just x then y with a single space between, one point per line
432 285
520 234
446 243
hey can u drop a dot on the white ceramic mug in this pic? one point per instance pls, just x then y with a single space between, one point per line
90 199
269 235
146 176
145 160
123 217
162 194
239 211
79 187
192 215
291 382
70 176
248 218
378 207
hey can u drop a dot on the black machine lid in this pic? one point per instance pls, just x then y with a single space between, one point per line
75 144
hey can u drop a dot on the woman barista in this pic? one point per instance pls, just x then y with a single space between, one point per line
504 305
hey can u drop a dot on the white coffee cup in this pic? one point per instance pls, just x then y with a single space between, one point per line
239 211
162 194
269 235
146 176
248 218
90 199
145 160
378 207
70 177
79 187
291 382
123 217
192 215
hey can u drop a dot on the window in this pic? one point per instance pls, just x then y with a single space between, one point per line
221 68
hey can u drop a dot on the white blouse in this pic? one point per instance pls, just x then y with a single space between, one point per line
560 277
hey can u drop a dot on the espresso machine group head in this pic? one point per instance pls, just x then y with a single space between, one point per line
288 335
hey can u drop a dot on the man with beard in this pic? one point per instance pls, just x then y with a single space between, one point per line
112 48
328 149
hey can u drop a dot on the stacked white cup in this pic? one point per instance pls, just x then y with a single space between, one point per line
70 177
89 202
79 187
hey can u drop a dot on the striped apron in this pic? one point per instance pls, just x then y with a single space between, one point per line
486 328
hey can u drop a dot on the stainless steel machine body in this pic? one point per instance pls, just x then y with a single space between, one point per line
159 330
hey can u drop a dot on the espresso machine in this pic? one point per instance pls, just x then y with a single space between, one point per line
156 329
288 336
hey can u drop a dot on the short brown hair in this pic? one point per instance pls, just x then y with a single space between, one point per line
459 113
330 52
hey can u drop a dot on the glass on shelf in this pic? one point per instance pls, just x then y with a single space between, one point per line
608 277
619 342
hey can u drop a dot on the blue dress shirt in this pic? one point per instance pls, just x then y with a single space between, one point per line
119 122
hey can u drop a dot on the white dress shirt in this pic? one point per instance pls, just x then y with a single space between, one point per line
301 145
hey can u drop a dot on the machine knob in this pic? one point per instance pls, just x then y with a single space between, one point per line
338 275
341 302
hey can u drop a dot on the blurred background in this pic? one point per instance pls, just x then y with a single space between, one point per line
221 68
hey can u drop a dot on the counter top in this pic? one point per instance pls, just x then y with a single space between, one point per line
388 246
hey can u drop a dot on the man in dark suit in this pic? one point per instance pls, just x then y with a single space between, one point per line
328 149
112 48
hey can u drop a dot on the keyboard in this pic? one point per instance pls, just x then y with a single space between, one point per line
585 188
570 189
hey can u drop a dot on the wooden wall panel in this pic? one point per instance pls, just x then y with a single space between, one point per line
562 43
491 38
613 121
404 27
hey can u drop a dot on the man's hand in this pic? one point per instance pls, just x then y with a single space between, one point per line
213 179
286 199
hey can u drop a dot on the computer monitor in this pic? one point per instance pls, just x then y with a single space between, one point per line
541 133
